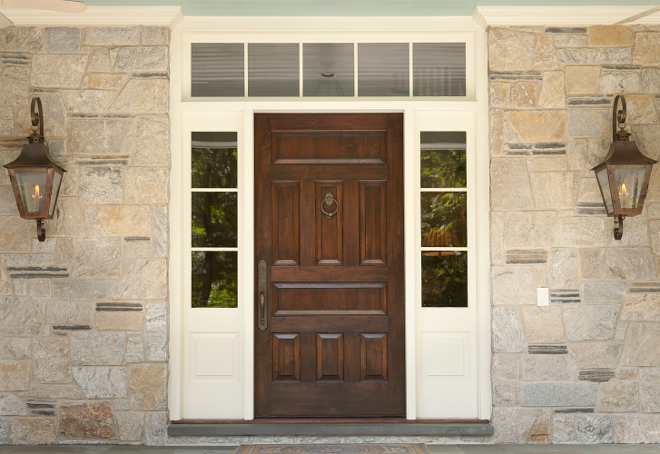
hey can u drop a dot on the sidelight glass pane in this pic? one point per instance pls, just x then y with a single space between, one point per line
444 279
439 69
328 69
273 70
214 279
214 160
444 220
443 160
214 219
217 69
383 69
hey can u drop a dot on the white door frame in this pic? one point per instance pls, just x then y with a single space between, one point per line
182 105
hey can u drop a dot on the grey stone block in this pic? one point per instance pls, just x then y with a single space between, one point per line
582 429
82 289
130 425
604 291
505 373
21 316
142 58
145 279
112 36
559 394
155 334
591 322
63 39
98 258
10 405
642 345
51 361
97 348
102 382
507 335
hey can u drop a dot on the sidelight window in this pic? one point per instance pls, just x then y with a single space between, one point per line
443 194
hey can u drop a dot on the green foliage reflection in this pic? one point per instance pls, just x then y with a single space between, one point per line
214 279
444 279
442 169
214 219
444 222
214 168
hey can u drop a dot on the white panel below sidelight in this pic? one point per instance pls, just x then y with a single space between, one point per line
444 355
215 355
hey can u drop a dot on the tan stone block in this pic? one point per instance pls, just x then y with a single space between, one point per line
120 320
509 50
500 94
88 419
647 49
148 384
609 35
115 220
555 163
582 79
496 132
524 94
14 234
643 307
617 397
553 91
546 55
32 430
538 125
106 81
14 375
641 109
543 324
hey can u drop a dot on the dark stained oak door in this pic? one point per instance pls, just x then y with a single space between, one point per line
334 343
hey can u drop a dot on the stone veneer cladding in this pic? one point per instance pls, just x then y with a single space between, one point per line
587 368
83 315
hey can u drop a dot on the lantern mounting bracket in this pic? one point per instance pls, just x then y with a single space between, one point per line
618 227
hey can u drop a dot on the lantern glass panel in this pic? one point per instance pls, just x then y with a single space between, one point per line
32 186
57 181
629 179
604 184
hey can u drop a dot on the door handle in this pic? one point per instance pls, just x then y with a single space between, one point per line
262 285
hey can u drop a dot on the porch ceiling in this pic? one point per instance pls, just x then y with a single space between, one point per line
348 7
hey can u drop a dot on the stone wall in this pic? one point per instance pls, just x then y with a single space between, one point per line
83 315
586 369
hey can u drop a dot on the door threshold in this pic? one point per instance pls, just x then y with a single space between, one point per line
329 426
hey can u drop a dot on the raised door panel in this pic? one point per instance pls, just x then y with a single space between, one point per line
286 356
286 223
373 222
373 356
330 356
329 299
329 227
336 147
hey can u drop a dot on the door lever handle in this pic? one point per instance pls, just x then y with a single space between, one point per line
262 283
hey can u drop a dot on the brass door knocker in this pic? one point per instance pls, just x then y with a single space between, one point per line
329 200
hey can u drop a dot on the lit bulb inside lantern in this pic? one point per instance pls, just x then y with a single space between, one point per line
623 193
36 196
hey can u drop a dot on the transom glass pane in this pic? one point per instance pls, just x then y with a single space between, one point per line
273 69
214 160
439 69
383 69
629 181
444 279
217 69
214 279
444 220
214 219
328 69
443 160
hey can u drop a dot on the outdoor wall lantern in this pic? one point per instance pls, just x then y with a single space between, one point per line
624 176
36 179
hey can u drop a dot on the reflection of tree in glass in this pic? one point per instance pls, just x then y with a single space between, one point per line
214 279
444 222
214 168
444 279
214 219
442 169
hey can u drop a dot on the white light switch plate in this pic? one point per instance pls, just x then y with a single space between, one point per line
543 297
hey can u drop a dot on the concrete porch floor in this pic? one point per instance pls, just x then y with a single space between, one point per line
460 448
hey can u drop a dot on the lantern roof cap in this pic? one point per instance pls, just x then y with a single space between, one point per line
34 155
625 152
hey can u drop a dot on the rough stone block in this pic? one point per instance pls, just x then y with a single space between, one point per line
507 330
155 35
643 307
102 382
15 236
99 60
641 110
130 425
651 80
67 220
617 397
500 94
155 333
97 258
148 385
112 36
32 430
609 35
70 312
516 284
647 49
521 425
596 355
591 263
135 350
642 345
590 321
555 189
87 101
557 163
552 93
583 231
563 268
14 86
82 289
86 419
20 316
496 237
14 375
589 123
543 324
119 320
142 58
604 291
524 94
583 56
538 125
22 39
5 283
559 394
629 264
98 137
15 348
106 81
146 185
649 389
7 129
636 231
144 279
510 51
11 405
142 96
97 348
547 368
582 79
505 373
496 131
530 228
61 71
51 361
636 429
63 39
546 56
156 429
570 40
56 392
137 249
118 220
582 429
152 141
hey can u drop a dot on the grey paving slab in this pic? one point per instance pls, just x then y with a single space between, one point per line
546 449
443 448
482 449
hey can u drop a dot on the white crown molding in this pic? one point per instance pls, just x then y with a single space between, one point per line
97 15
486 16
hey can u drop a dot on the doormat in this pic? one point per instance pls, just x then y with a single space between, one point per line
350 448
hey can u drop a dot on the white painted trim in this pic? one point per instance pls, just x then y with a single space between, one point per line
486 16
98 15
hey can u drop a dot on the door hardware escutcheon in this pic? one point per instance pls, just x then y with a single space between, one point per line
262 285
329 200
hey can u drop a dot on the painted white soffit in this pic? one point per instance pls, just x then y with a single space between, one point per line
97 15
486 16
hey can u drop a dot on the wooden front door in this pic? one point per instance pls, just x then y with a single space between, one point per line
329 228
